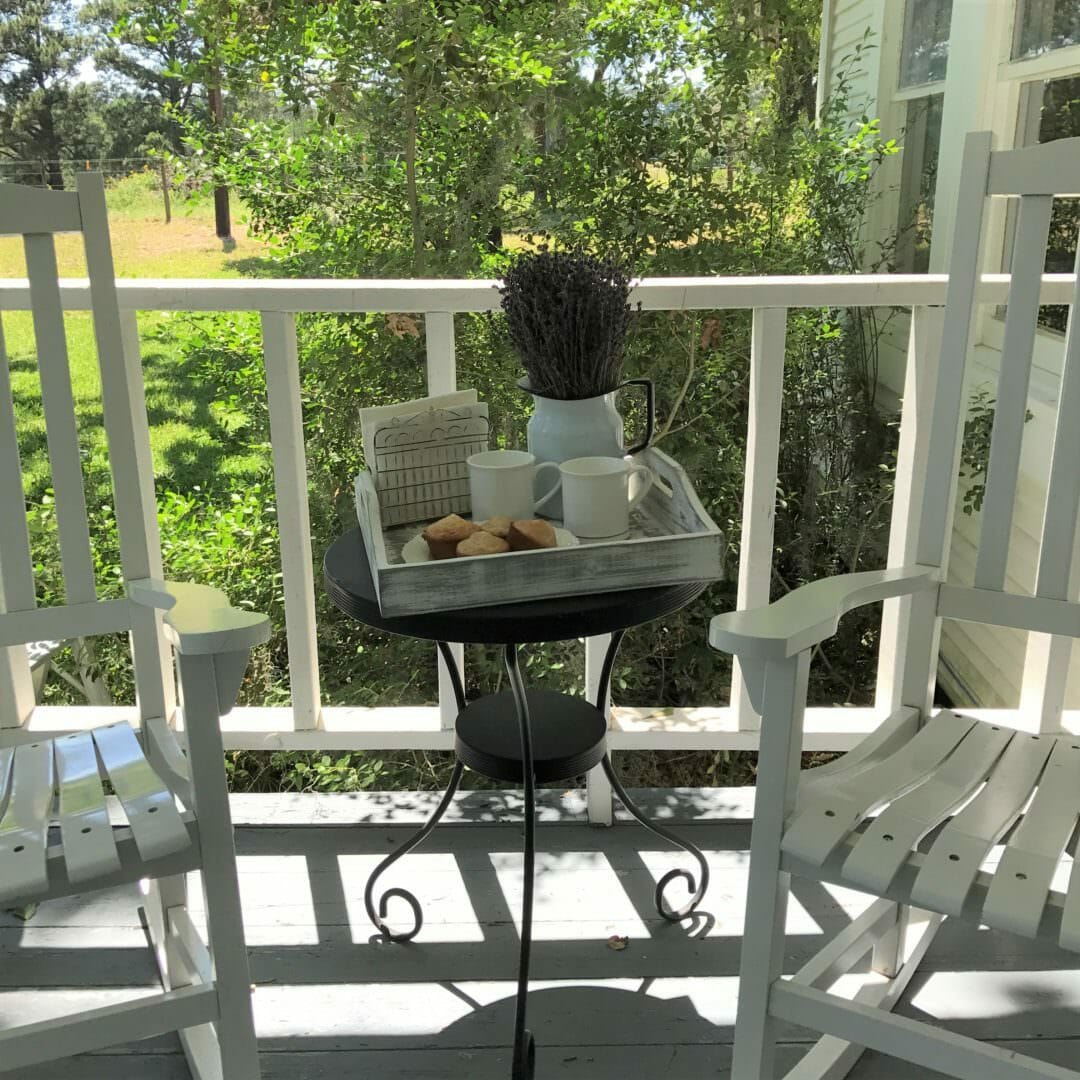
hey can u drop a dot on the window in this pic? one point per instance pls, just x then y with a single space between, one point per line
924 57
1045 25
1052 111
925 52
918 177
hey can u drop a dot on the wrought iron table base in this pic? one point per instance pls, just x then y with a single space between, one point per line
495 760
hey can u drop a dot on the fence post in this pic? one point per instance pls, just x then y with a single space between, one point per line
767 344
294 525
165 194
442 379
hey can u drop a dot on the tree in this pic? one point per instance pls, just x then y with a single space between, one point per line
148 51
40 50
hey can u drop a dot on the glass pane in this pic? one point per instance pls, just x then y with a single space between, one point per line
1058 117
918 173
925 52
1047 24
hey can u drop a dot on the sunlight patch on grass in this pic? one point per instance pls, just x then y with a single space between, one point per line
185 434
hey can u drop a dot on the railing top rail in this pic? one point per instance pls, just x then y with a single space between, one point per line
444 294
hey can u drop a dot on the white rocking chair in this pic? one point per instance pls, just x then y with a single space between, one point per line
56 838
952 788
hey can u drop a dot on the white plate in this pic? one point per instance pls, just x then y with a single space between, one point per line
417 551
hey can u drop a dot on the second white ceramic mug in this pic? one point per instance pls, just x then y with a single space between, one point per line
501 484
596 494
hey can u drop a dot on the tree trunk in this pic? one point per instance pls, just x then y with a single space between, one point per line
52 174
540 137
411 191
222 218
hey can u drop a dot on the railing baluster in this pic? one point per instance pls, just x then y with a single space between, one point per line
597 785
290 481
16 568
759 491
442 379
924 349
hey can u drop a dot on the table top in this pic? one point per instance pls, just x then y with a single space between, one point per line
349 585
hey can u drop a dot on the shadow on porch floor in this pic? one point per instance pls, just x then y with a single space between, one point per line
332 1002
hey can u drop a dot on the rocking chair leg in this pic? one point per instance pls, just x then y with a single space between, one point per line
221 888
161 895
888 957
767 893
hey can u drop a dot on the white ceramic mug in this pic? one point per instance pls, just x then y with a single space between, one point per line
501 484
596 494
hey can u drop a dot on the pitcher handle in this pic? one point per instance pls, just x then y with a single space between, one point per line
650 411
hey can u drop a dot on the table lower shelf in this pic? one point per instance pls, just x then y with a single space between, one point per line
568 735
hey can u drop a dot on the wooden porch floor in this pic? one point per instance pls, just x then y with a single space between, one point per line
331 1003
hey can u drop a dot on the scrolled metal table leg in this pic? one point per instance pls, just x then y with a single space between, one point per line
377 912
696 886
524 1061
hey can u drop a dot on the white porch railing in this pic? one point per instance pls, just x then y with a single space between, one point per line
308 724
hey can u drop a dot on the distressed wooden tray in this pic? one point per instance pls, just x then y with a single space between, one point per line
671 540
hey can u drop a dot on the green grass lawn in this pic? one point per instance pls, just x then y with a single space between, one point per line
184 429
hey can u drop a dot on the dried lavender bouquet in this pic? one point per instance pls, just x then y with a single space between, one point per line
568 316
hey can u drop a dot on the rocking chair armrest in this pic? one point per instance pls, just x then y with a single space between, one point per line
199 620
810 614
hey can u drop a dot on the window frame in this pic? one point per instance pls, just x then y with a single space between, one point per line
908 184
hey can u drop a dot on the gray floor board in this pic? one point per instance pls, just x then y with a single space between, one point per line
331 1001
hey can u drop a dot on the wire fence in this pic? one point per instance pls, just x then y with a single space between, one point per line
46 172
60 173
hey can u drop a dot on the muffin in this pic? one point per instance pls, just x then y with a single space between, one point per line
482 543
444 535
531 535
497 526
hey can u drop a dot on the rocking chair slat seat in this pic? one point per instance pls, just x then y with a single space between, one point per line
967 801
64 786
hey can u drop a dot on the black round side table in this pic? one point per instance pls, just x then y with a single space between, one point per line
557 736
